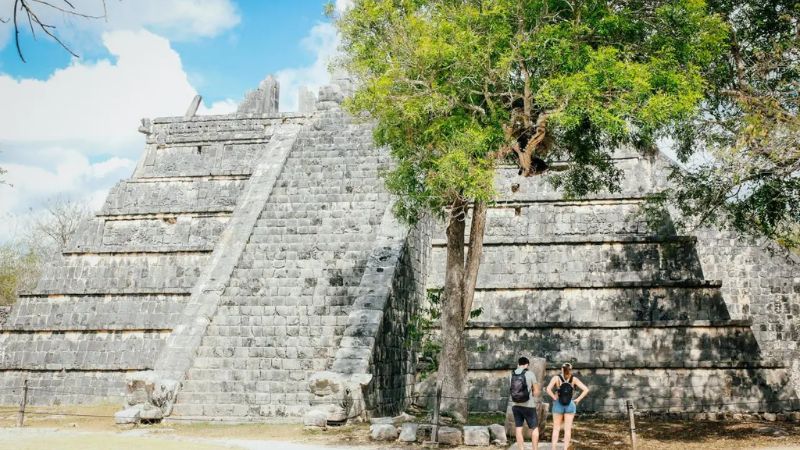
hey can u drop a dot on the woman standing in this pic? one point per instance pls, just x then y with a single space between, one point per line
564 406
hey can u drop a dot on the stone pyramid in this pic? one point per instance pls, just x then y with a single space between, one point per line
251 269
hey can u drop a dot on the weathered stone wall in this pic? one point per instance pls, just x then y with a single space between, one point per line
760 281
643 314
85 313
118 274
62 388
659 389
171 233
393 358
217 159
174 196
70 350
579 263
682 300
615 344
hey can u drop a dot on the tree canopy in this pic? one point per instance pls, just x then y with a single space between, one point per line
456 86
748 127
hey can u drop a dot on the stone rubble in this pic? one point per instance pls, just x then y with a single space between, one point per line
476 436
383 432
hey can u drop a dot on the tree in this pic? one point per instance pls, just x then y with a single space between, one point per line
749 127
19 269
33 13
22 260
50 232
457 86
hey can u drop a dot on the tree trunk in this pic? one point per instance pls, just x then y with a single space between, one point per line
453 358
475 249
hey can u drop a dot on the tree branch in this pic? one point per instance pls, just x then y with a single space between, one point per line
474 252
34 21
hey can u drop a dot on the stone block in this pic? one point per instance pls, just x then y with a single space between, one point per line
476 436
408 432
450 436
383 432
316 418
128 415
150 413
497 433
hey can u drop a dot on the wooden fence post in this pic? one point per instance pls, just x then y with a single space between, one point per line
629 404
22 403
435 430
434 442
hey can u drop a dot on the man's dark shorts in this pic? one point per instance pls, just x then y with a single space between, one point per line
523 414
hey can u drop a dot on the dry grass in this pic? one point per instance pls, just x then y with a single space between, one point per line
590 433
673 435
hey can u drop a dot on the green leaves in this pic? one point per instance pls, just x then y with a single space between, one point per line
453 85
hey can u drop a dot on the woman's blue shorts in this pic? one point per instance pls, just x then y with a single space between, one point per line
558 408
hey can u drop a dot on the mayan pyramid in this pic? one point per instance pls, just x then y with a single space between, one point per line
251 268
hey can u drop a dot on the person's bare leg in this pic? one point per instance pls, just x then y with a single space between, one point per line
520 439
568 418
535 438
556 429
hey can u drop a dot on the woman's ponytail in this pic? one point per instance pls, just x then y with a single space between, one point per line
566 369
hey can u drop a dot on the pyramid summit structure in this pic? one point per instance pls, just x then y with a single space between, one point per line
251 269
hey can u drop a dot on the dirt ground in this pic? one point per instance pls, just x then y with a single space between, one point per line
91 428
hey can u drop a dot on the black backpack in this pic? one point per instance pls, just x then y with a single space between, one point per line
519 387
565 390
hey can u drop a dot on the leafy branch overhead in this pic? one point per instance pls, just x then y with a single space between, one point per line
748 129
458 87
32 13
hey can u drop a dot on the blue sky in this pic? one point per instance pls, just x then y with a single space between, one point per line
71 130
267 38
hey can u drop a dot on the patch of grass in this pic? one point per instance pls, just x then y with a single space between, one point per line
94 417
487 419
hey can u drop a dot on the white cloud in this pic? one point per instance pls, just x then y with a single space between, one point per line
343 5
60 173
75 134
98 102
226 106
174 19
322 41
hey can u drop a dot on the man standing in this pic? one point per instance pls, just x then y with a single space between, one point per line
525 390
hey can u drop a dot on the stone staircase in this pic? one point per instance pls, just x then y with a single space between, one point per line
283 313
588 282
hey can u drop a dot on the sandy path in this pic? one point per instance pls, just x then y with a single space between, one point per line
60 439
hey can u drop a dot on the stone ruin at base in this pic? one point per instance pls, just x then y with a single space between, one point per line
251 268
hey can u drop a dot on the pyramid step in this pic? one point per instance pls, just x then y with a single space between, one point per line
209 159
168 234
632 303
671 389
128 273
194 195
111 312
638 344
511 186
514 266
564 219
270 357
